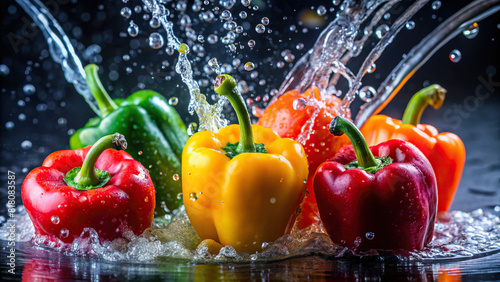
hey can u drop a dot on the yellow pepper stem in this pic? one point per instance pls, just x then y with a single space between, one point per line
432 95
225 85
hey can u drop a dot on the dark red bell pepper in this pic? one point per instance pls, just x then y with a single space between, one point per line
95 187
382 197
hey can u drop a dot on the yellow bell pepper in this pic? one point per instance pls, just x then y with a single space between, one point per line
243 185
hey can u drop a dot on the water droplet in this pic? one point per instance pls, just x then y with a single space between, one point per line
192 128
410 25
265 20
246 3
9 125
126 12
455 56
155 40
243 14
179 196
381 31
321 11
225 15
138 9
357 241
299 104
55 219
370 235
133 29
251 43
336 2
4 70
212 39
260 28
176 177
471 31
29 89
436 5
289 57
173 101
367 93
372 68
230 25
193 197
249 66
387 16
272 200
26 145
64 233
299 46
154 22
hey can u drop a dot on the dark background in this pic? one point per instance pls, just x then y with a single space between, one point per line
48 116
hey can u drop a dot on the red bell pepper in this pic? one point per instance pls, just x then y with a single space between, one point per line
382 197
95 187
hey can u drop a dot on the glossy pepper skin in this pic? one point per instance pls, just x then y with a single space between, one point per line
66 194
156 129
445 151
290 115
386 199
250 198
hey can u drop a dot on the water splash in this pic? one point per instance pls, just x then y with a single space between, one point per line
419 54
210 116
457 235
327 61
60 48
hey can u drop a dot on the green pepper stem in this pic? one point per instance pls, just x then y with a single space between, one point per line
225 85
105 103
432 95
87 175
339 126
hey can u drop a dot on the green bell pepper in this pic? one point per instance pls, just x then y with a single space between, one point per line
156 132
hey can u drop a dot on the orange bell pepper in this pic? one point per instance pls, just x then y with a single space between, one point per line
445 151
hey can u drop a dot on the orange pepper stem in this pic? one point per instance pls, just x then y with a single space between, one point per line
339 126
225 85
105 103
432 95
87 176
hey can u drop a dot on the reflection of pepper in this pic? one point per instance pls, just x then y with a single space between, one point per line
382 197
238 192
445 151
156 129
293 114
94 187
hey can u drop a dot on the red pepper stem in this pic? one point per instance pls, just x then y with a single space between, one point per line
87 175
339 126
432 95
225 85
105 103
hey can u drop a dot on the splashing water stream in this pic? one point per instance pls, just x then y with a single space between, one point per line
210 116
60 48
